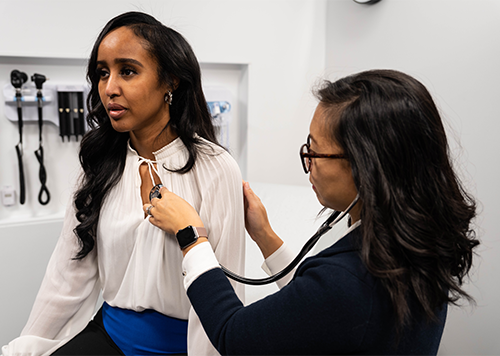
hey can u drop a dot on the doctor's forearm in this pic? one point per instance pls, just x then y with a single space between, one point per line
268 243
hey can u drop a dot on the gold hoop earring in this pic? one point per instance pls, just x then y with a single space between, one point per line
168 97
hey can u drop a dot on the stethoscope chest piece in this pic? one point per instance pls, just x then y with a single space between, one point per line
155 192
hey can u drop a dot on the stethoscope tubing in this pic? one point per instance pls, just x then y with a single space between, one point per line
333 219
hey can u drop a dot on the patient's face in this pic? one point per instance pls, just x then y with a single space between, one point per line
128 85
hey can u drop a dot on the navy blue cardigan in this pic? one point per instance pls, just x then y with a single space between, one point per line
332 306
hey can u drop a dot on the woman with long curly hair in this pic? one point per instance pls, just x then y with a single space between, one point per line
384 287
149 125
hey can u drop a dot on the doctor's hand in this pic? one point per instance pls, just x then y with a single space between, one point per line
257 223
171 213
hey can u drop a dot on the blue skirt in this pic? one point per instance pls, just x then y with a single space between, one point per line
145 333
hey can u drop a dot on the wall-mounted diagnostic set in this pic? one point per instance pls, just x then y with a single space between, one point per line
37 102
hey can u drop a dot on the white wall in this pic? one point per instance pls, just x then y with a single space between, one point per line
280 43
452 46
281 40
25 250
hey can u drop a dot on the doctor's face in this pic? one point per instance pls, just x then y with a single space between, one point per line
331 179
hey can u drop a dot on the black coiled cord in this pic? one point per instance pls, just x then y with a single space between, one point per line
42 173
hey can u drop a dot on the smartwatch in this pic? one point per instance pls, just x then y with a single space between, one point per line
188 236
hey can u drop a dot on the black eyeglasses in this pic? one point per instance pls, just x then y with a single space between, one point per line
306 154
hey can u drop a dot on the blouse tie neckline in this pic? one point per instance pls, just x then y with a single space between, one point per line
151 168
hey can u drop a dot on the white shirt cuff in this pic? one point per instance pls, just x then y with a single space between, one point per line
283 256
277 262
197 261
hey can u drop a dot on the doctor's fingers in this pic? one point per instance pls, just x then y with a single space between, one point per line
251 199
253 204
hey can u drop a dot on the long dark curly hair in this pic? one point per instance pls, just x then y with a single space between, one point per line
103 150
416 216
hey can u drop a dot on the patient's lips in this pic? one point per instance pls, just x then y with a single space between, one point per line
116 111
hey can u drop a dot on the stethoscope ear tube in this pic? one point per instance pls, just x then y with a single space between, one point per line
333 219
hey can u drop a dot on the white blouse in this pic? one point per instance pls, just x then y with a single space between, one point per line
135 264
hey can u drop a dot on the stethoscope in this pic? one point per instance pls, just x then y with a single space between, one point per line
332 220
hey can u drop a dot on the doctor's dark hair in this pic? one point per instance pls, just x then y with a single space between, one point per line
416 216
103 150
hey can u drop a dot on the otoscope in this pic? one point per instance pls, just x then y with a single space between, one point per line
39 79
332 220
17 80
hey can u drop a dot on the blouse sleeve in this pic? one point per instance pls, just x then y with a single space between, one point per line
222 212
66 300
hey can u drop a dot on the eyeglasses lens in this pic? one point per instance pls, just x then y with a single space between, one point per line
306 161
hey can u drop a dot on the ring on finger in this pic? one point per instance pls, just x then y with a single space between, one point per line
148 210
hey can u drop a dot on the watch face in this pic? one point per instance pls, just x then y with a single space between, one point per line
186 237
